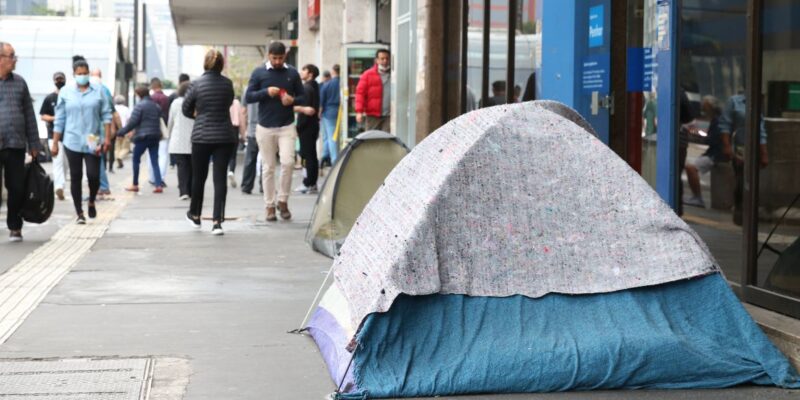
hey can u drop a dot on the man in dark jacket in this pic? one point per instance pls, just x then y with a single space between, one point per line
146 120
308 127
276 87
18 130
373 94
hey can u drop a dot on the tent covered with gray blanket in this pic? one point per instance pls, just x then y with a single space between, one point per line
512 251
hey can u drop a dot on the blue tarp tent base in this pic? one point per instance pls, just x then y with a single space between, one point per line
681 335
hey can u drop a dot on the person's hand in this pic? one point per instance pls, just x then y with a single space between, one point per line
34 153
727 151
54 149
273 91
287 100
129 135
359 117
310 111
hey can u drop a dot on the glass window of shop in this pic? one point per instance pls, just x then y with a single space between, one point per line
489 49
712 78
775 154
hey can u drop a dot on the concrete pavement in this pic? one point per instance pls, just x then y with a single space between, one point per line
212 312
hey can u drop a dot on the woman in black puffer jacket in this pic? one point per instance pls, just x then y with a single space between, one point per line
208 101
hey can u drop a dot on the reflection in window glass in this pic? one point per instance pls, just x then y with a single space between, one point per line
779 150
527 50
712 76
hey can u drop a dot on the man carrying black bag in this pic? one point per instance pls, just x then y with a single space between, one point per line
39 196
18 130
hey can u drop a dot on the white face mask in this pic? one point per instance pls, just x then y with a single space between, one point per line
383 68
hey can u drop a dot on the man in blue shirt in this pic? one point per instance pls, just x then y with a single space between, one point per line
329 101
276 87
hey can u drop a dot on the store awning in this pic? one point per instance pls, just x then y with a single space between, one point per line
232 22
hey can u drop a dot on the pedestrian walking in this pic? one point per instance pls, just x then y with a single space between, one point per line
48 114
106 163
329 102
146 120
308 127
208 100
180 142
251 155
123 146
158 96
276 87
83 120
174 95
373 94
18 130
236 112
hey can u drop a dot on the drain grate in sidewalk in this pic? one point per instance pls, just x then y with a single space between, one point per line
86 379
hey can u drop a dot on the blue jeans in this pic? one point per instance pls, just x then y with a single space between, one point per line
329 148
103 174
150 145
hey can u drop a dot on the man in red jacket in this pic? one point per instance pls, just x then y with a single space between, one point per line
373 94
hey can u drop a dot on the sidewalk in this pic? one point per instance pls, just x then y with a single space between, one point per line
210 314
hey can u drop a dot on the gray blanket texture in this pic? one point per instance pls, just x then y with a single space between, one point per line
513 199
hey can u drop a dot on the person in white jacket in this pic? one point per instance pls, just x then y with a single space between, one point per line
180 142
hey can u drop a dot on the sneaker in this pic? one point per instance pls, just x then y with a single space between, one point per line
283 207
184 197
301 189
132 188
312 189
217 230
60 194
271 217
195 221
158 189
15 236
695 201
232 179
119 164
92 212
81 220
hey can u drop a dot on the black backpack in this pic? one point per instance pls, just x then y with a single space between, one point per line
39 197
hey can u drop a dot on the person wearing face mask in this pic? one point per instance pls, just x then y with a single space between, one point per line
48 115
83 119
373 94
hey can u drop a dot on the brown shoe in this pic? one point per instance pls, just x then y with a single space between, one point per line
60 193
271 214
283 207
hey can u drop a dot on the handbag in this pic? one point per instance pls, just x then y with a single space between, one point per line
39 194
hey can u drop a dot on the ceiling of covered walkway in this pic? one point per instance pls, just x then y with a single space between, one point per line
228 22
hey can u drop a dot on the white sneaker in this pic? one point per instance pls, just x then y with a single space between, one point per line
217 230
232 179
184 197
695 201
301 189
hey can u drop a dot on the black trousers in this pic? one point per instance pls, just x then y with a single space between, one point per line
250 162
201 157
12 163
76 161
232 162
308 151
184 163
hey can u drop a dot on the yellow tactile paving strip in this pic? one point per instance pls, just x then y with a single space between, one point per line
27 283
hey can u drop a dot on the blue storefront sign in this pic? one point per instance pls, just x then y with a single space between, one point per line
596 26
595 73
641 66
